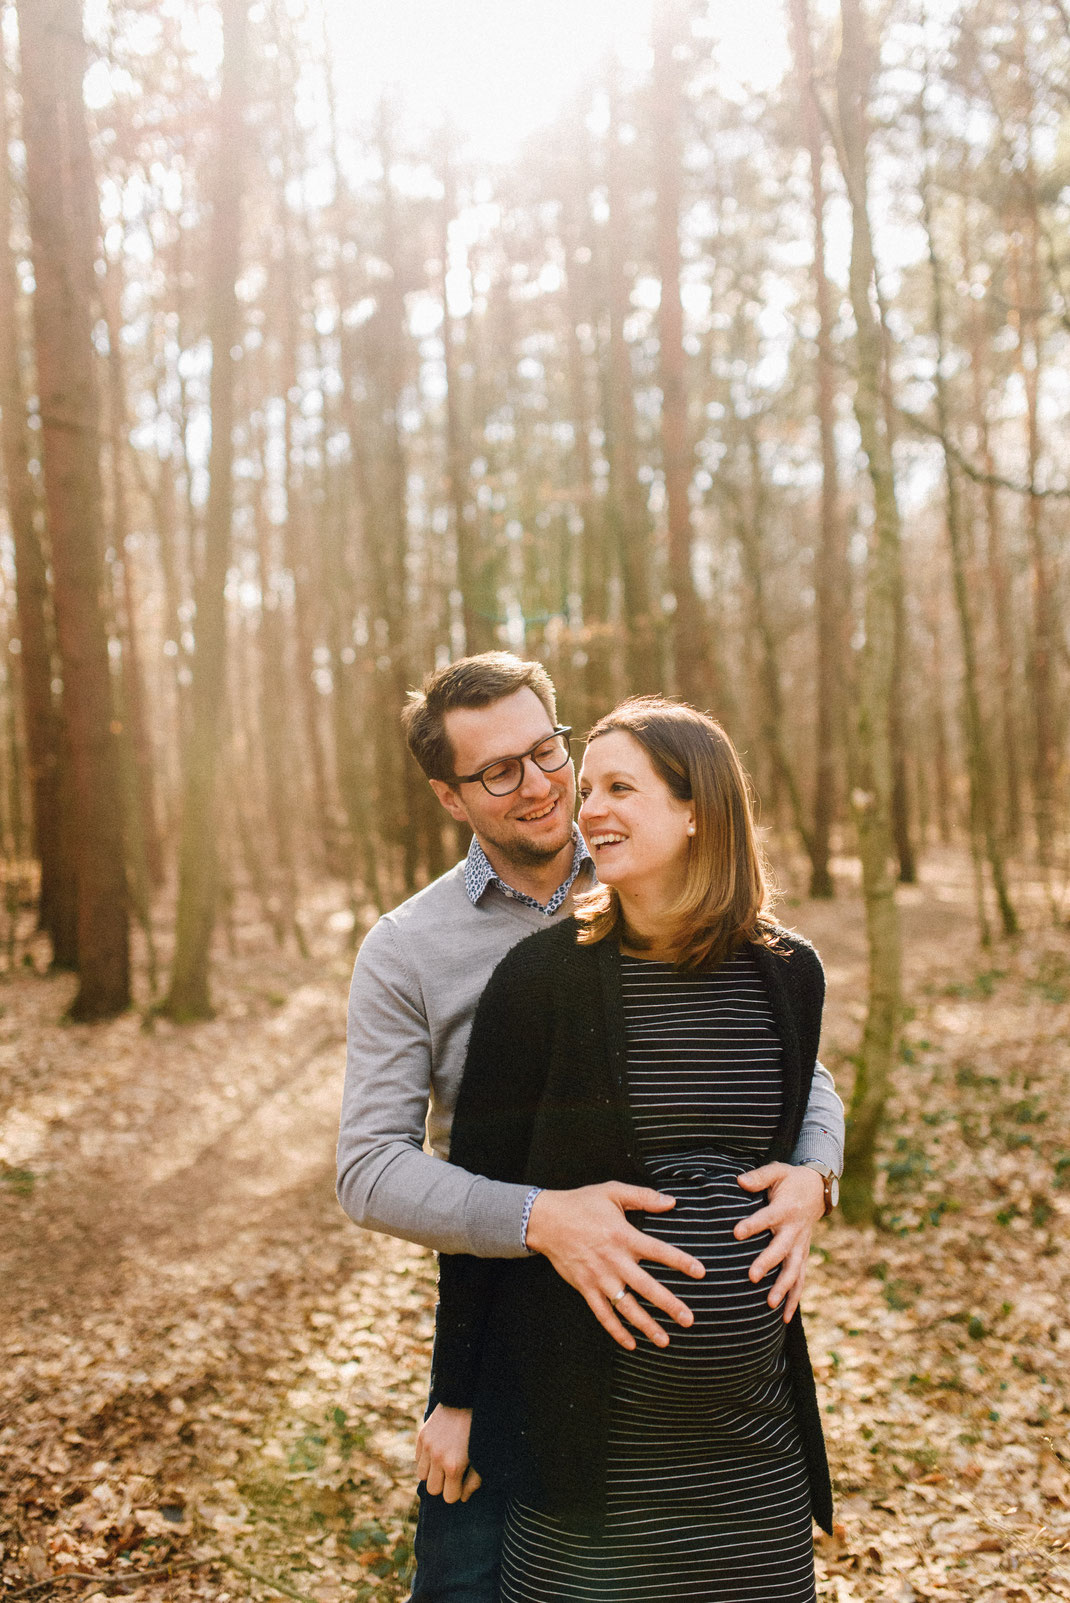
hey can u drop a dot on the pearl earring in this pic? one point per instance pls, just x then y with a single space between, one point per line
690 829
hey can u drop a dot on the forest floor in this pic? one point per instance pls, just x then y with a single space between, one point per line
210 1379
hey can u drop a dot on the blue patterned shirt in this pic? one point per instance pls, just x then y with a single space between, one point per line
478 874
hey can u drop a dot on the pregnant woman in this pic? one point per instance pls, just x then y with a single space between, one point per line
667 1034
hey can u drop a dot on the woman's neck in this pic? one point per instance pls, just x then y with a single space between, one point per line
649 930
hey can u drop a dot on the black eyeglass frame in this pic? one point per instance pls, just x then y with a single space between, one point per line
564 731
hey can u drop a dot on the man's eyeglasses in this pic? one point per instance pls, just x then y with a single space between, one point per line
501 778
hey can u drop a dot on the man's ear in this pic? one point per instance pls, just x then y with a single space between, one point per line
449 799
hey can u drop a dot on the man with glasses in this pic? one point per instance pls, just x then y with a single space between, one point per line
485 732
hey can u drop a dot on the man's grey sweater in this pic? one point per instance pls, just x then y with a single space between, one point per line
418 977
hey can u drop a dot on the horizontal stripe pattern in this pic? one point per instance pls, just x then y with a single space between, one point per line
707 1493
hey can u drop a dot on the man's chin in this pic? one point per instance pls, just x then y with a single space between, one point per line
534 854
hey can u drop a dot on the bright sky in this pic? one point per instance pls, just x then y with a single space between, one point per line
502 68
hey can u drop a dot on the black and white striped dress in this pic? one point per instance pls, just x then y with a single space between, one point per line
708 1498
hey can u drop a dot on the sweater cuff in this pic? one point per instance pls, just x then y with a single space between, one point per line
818 1146
494 1219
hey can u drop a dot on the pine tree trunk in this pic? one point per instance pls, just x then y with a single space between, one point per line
397 793
982 798
873 755
63 230
690 627
594 562
42 723
1045 631
832 572
1045 643
749 526
275 722
1010 766
627 502
478 627
135 719
198 889
902 822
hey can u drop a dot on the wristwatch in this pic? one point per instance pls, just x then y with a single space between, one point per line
831 1182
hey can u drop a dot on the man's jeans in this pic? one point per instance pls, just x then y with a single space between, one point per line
458 1548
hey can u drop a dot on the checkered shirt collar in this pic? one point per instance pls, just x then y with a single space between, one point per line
478 874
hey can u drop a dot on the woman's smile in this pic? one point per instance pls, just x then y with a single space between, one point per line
635 828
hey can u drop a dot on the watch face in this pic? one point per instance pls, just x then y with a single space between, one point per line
834 1190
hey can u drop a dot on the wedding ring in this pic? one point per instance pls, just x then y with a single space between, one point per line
623 1292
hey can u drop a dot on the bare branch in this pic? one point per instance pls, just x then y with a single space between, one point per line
972 471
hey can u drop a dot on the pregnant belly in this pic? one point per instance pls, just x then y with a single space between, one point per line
736 1339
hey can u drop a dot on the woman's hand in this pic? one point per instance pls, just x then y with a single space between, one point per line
796 1203
442 1454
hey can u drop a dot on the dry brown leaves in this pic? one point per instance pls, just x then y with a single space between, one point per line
204 1363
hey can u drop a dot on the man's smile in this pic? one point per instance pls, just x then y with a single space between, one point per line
542 811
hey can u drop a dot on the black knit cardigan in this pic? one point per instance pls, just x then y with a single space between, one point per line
544 1102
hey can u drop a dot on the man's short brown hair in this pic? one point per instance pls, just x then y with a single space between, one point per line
469 682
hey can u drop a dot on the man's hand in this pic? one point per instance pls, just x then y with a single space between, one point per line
590 1243
796 1203
442 1454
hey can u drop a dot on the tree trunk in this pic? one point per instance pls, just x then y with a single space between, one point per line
982 798
594 563
627 501
41 716
397 777
749 525
275 723
902 824
478 627
135 720
63 230
198 889
1030 353
689 625
1045 630
299 534
873 756
998 576
832 573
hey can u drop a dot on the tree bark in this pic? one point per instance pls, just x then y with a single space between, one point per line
275 721
690 626
627 503
478 627
832 572
41 710
873 756
749 524
1042 655
998 575
589 507
63 229
135 720
198 890
982 798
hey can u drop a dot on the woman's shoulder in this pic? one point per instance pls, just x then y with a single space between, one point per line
789 945
544 952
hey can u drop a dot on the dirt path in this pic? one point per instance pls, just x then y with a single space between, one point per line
201 1356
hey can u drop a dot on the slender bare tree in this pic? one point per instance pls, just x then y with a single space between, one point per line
64 213
188 996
